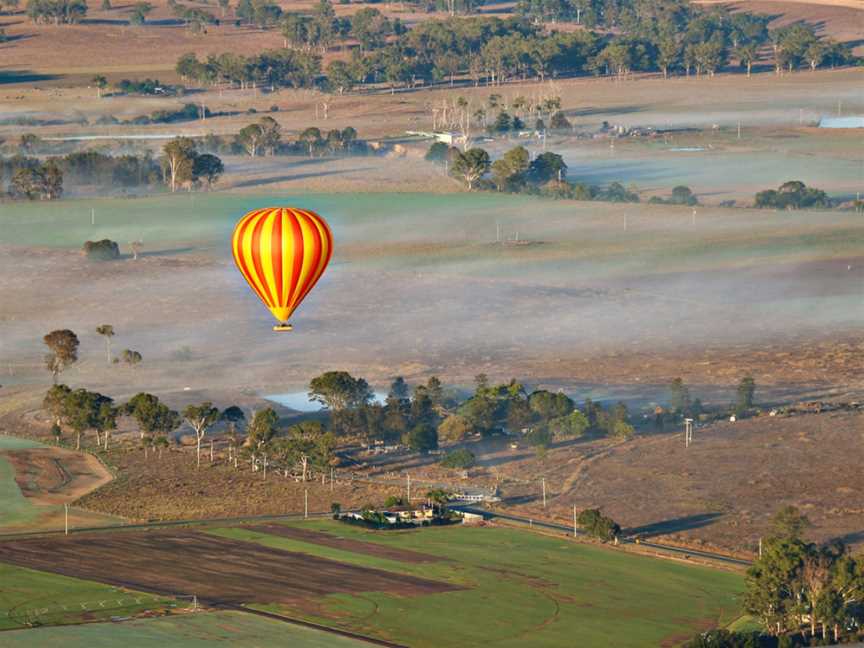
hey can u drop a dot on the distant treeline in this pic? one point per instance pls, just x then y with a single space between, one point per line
645 35
265 137
23 177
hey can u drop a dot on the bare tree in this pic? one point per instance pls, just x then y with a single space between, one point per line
106 331
200 417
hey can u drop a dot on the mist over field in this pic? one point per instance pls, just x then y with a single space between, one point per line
418 285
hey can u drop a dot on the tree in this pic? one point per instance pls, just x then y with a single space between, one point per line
597 525
271 135
85 410
438 152
546 167
508 172
461 458
571 425
679 397
262 428
101 83
789 523
130 357
106 331
207 166
745 393
559 121
312 138
682 195
339 390
200 417
178 161
139 13
470 166
340 76
455 428
62 351
151 415
422 438
548 405
55 402
233 416
58 12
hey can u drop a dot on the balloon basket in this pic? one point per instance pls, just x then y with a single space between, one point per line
283 327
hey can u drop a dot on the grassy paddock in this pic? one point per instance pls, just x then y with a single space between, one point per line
183 631
521 587
29 597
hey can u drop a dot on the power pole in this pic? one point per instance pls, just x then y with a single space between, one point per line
409 489
92 216
574 520
688 432
331 480
306 504
544 492
66 511
760 547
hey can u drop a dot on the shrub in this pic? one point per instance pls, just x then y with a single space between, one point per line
461 458
394 500
792 195
438 152
104 250
597 525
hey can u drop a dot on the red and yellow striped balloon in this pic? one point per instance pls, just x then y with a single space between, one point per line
282 252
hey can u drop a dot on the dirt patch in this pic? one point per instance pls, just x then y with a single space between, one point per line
346 544
723 490
51 476
217 570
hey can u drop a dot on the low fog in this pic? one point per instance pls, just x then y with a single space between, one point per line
418 285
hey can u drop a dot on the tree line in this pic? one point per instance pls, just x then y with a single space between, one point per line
643 36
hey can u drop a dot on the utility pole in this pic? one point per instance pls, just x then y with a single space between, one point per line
574 520
211 450
306 504
544 492
739 129
409 489
92 216
66 510
688 432
331 480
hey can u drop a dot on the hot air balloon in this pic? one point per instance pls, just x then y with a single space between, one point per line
282 252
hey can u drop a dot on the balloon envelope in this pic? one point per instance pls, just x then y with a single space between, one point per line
282 252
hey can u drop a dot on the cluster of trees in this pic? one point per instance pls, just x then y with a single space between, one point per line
459 458
681 195
184 166
644 36
274 68
800 588
515 172
31 179
80 410
422 417
792 195
597 525
57 12
265 138
406 416
140 86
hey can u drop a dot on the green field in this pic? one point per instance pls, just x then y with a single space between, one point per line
15 509
29 597
182 631
521 589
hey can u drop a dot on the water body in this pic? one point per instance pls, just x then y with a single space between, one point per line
300 402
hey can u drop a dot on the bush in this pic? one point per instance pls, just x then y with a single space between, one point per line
792 195
438 152
104 250
394 500
461 458
597 525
